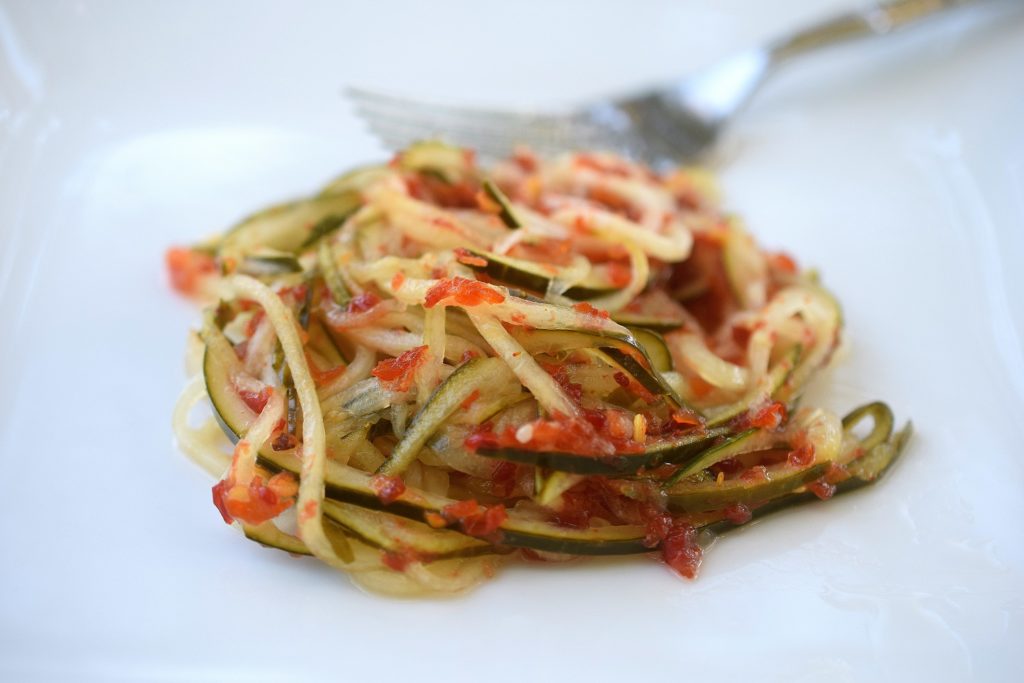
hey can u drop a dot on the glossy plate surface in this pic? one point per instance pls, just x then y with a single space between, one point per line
896 168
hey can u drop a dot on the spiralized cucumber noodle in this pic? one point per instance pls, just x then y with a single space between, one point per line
431 368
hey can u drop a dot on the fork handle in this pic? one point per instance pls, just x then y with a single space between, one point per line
877 19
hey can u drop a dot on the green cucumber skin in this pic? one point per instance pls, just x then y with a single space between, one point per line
503 270
610 465
506 215
655 347
508 537
659 325
710 497
897 442
632 546
253 534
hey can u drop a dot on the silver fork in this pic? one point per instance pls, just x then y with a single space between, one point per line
661 127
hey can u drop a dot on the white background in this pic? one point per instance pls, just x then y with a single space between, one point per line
896 168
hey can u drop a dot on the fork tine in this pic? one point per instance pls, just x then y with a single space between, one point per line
402 120
380 104
405 131
424 124
417 126
399 121
485 149
490 142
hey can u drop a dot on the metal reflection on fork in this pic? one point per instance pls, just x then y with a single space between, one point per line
661 127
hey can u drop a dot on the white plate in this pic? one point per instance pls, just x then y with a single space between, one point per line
897 169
